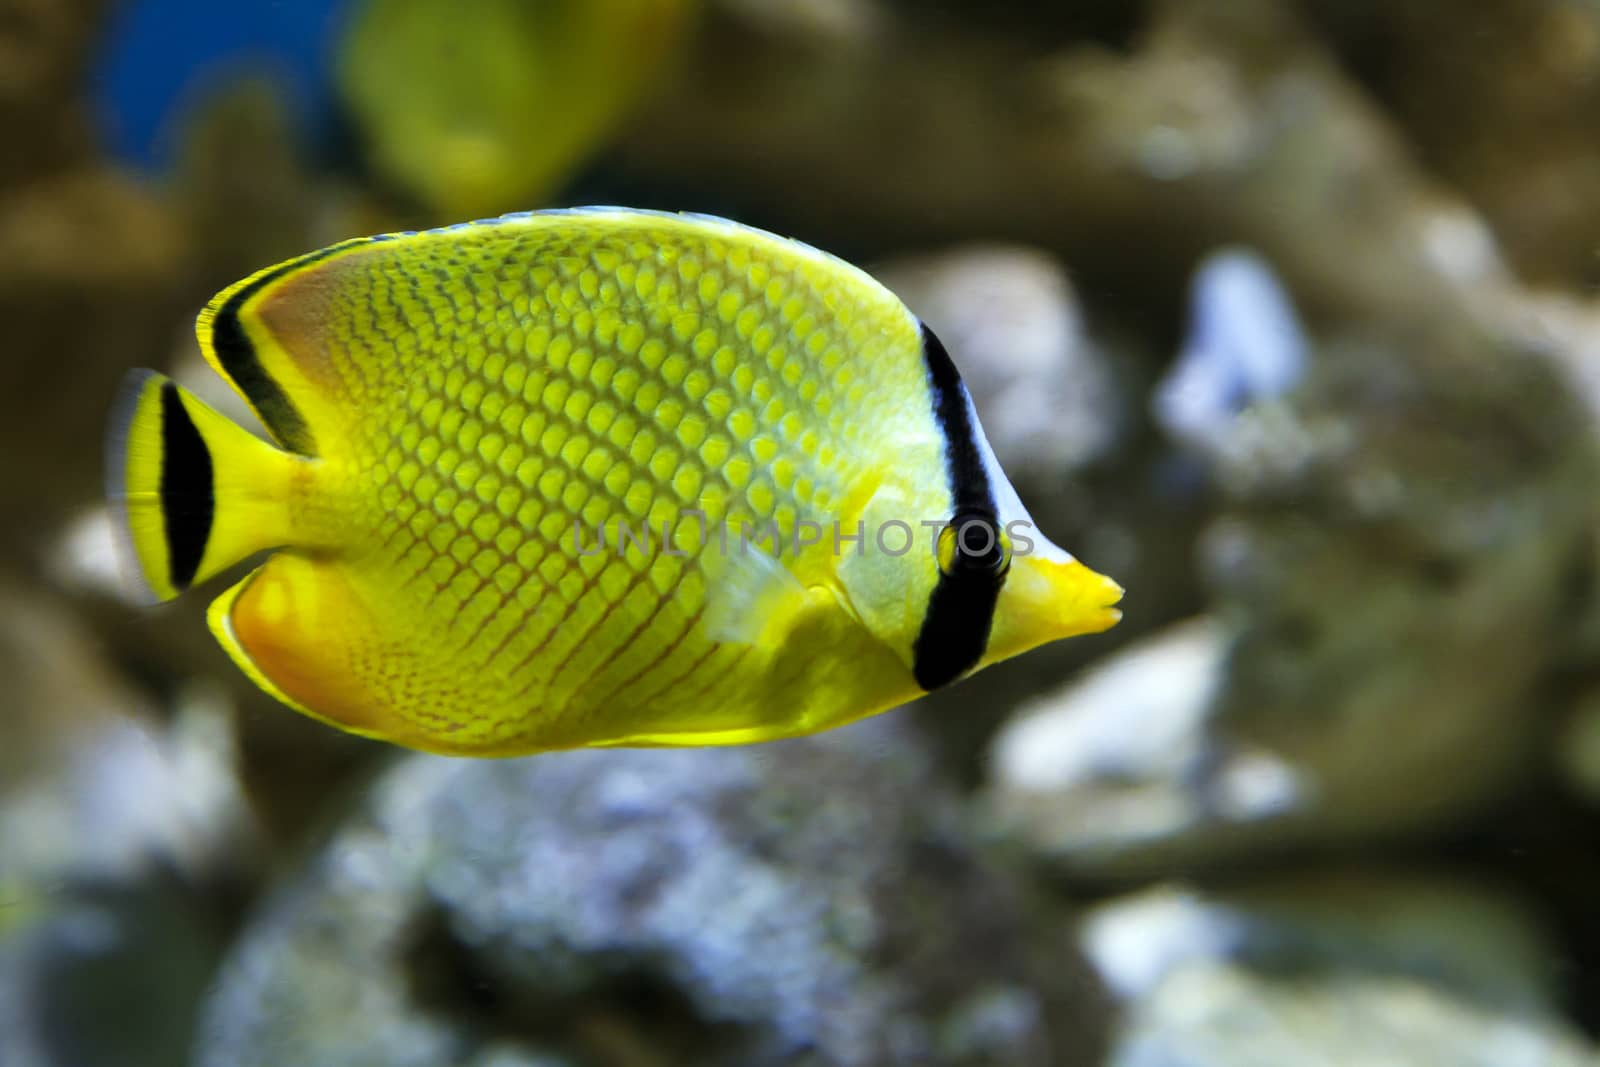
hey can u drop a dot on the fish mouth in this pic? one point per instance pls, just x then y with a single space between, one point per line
1104 597
1088 600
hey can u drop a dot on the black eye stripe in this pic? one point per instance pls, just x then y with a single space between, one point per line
977 536
975 543
955 627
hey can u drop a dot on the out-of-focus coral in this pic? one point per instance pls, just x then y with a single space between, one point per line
1578 748
1441 509
816 899
1393 572
1118 773
242 186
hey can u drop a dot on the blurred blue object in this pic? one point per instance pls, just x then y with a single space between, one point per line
159 58
1245 344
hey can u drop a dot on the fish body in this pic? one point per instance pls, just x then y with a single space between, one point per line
591 477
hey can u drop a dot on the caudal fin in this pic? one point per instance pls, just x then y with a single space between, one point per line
192 492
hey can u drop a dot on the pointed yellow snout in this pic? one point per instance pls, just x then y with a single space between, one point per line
1047 599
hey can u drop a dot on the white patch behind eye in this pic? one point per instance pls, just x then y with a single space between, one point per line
1008 504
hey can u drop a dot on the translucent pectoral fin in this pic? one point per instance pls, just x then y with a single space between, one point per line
750 595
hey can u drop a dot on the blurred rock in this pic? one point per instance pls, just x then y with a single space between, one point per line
288 763
105 975
45 50
242 187
90 267
1563 326
812 901
1501 98
1395 571
1403 551
1010 319
1122 774
87 265
1200 124
1578 748
129 797
1337 970
117 834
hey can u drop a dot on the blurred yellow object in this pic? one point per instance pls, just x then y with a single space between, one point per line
490 106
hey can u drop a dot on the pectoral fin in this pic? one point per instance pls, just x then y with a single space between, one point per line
751 596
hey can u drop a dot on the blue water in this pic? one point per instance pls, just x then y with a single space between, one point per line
161 57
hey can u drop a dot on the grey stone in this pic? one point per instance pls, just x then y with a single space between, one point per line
115 828
1330 969
808 902
1122 773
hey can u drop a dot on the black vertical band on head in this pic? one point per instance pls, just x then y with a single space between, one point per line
969 478
955 627
188 501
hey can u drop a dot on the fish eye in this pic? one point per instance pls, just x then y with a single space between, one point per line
973 543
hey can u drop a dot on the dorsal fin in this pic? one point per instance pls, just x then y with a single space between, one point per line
274 337
259 364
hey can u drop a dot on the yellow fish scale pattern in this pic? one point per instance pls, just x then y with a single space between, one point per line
524 395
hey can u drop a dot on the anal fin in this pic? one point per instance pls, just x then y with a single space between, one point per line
298 629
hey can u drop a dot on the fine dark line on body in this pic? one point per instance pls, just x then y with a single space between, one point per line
555 628
660 657
639 576
713 678
699 661
517 629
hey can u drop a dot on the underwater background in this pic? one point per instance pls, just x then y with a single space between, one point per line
1284 313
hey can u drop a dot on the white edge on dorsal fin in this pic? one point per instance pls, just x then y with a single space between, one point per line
1007 503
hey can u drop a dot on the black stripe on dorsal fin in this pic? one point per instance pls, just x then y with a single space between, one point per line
955 627
237 355
188 500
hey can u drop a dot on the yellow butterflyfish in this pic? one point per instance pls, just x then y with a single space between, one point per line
587 477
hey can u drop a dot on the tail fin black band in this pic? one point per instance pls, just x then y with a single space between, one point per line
188 496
